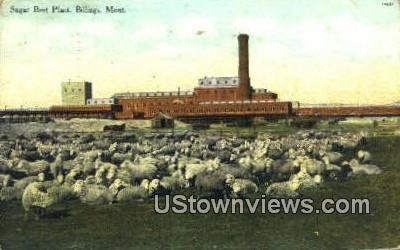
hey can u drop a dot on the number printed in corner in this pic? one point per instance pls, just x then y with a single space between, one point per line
387 3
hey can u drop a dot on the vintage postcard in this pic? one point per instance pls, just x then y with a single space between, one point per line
213 124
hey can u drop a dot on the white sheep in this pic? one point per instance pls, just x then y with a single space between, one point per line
131 193
364 156
283 189
56 167
313 166
241 187
193 169
363 169
154 186
173 183
117 185
331 157
44 194
4 180
304 180
94 194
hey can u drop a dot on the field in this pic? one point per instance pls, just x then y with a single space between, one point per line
136 225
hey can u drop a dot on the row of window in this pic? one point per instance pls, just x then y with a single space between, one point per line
218 82
154 94
141 105
233 109
221 91
73 90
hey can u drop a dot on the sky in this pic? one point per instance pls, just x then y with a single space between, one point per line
332 51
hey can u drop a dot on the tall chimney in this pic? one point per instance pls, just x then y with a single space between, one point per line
244 78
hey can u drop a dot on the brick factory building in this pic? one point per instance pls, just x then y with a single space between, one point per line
214 96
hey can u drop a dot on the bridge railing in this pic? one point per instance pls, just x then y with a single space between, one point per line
24 109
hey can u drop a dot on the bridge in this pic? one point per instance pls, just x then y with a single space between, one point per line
17 115
206 112
348 111
23 111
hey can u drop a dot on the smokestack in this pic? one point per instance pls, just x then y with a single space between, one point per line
244 78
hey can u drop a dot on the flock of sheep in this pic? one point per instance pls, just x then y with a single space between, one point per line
51 168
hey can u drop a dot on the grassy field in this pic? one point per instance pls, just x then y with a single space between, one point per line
136 225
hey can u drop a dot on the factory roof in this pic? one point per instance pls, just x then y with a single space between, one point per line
153 94
218 82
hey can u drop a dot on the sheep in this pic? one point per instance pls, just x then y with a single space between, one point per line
140 171
259 167
118 158
44 195
38 167
285 167
125 175
92 155
154 187
21 184
145 184
364 156
67 154
100 175
103 172
286 189
363 169
94 194
194 169
313 167
305 180
117 185
131 193
4 180
56 167
331 157
211 182
73 175
5 165
241 187
173 183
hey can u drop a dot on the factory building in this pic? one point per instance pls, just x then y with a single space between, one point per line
75 93
213 96
100 101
